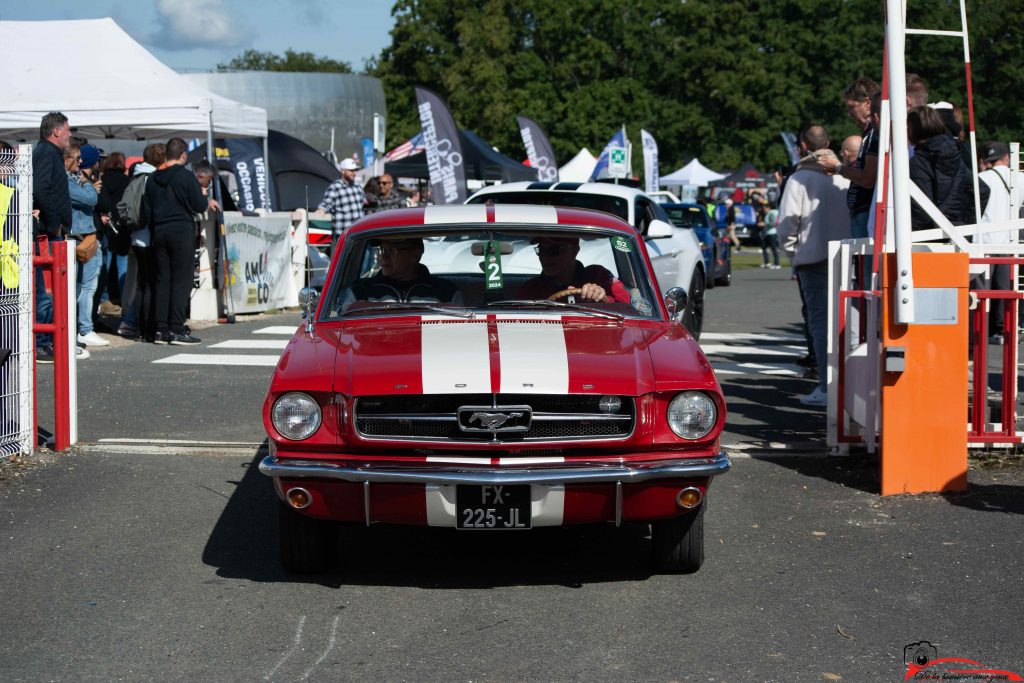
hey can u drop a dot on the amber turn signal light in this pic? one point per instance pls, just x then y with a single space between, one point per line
689 498
299 498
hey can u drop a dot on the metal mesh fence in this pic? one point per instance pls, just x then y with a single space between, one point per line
16 311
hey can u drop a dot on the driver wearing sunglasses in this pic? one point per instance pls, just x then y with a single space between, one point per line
564 277
402 278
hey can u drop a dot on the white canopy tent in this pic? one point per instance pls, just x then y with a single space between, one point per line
107 85
579 168
694 174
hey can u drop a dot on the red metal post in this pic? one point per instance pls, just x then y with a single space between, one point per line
56 264
979 404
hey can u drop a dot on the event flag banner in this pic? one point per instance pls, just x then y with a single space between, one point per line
789 139
444 151
255 187
618 140
413 145
259 253
538 149
368 154
650 161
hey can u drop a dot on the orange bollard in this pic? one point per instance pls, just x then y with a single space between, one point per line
924 406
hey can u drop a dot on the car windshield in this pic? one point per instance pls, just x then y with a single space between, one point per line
616 206
686 216
465 271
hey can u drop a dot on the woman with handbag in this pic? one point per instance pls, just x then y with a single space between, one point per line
83 200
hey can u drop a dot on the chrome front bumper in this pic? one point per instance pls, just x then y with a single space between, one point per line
425 473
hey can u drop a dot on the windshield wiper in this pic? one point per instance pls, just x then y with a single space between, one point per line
413 306
544 303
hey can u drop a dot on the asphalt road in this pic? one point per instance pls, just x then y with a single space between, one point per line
158 561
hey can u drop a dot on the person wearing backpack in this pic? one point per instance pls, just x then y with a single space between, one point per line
137 319
171 199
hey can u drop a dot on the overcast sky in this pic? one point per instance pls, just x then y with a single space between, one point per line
196 35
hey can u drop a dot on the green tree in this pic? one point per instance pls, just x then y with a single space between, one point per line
254 60
719 80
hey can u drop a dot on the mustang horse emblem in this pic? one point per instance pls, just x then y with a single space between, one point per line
492 420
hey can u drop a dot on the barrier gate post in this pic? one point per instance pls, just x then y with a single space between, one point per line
924 371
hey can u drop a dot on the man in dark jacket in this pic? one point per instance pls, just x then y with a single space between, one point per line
172 198
51 199
49 178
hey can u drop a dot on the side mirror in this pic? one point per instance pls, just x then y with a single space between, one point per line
308 299
676 300
658 229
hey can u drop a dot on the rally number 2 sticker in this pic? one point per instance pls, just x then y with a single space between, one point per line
492 267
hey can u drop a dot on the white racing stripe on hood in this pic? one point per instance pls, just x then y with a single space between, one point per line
455 358
533 358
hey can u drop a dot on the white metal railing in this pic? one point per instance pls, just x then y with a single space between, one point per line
854 343
17 347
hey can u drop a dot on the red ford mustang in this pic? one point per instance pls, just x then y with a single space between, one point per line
492 368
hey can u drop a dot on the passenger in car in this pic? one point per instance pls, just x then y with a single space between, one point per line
402 278
561 271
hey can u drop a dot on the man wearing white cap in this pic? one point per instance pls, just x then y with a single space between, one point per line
996 208
344 200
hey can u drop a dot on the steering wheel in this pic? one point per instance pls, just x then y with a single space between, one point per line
575 290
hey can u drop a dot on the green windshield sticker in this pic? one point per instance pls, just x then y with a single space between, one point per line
621 244
492 266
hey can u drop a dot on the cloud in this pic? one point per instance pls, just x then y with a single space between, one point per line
189 24
312 12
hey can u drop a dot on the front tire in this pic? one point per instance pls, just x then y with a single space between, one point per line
693 319
677 544
304 543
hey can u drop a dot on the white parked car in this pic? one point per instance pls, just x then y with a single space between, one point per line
676 257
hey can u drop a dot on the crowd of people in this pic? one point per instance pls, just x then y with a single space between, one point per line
134 240
831 197
135 230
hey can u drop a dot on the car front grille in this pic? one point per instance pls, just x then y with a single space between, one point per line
528 417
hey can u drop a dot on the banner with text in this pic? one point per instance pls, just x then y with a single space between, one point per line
538 149
255 187
259 251
650 161
444 151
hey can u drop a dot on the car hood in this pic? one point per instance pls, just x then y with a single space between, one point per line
500 354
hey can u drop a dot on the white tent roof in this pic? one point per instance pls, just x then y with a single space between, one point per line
579 168
107 85
694 173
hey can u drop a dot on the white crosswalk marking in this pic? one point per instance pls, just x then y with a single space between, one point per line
775 353
251 344
277 329
217 359
201 355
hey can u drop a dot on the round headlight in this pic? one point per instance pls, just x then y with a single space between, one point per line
296 415
692 414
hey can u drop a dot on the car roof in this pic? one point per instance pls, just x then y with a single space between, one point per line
606 189
685 205
519 215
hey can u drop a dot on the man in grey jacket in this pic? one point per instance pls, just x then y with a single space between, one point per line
812 213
